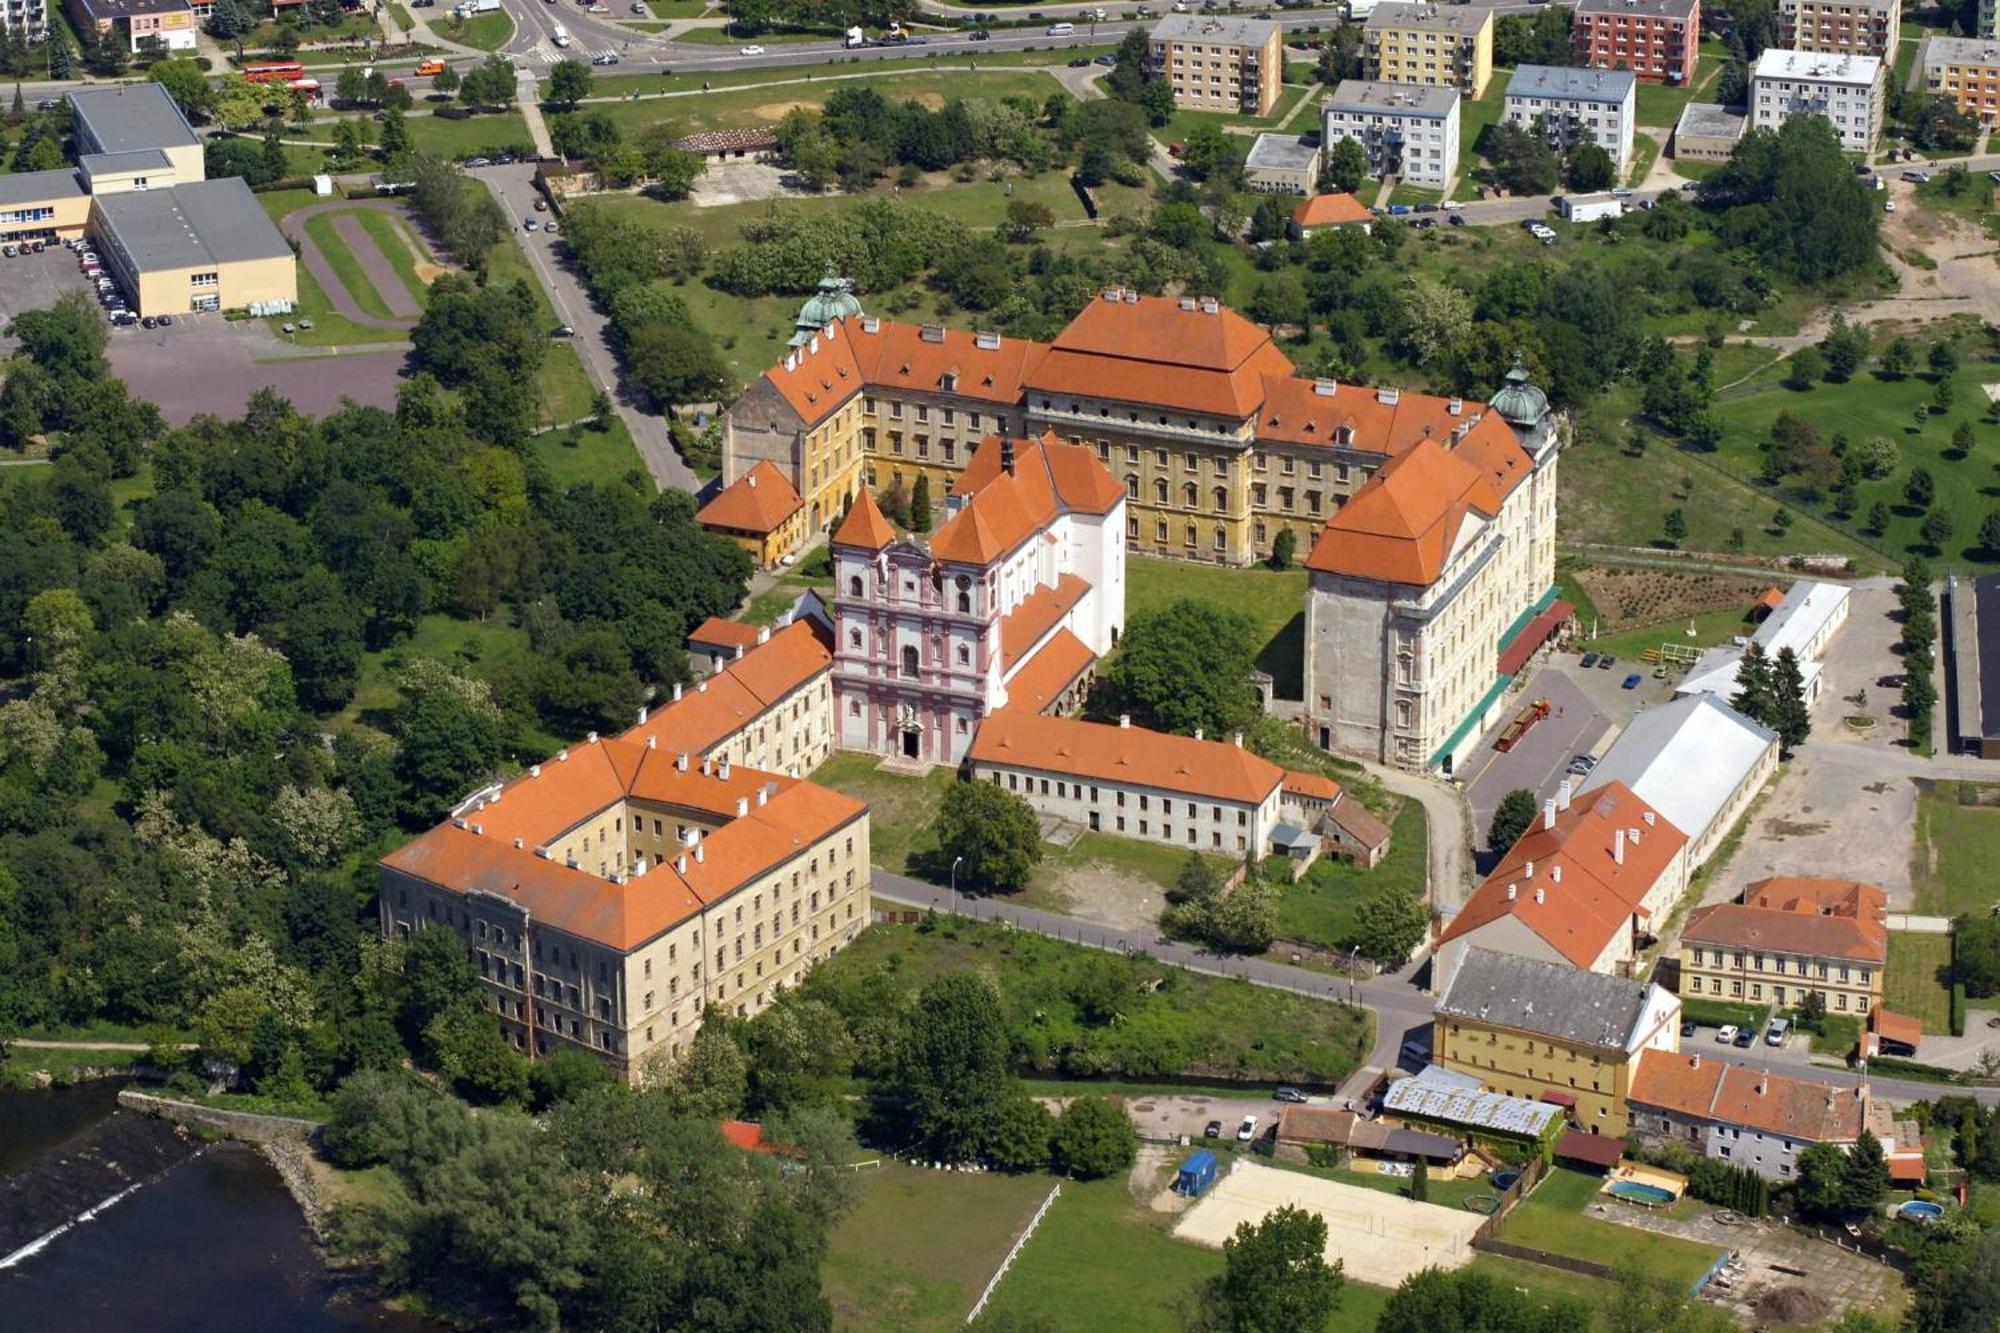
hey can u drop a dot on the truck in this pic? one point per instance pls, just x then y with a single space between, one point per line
1523 722
561 35
856 37
428 68
467 8
1589 207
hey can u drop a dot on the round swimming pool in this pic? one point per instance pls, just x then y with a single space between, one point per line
1504 1180
1637 1191
1917 1210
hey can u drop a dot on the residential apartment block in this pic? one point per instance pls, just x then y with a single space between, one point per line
1789 938
1845 89
1428 573
1989 18
1007 605
1553 1033
1447 47
1966 72
1573 106
1408 132
1843 27
1220 63
27 19
614 893
1657 40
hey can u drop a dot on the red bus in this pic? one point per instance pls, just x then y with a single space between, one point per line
283 71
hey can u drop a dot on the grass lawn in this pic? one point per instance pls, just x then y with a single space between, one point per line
901 809
1645 152
1208 1028
724 37
603 458
566 387
1839 1035
1320 909
394 238
475 647
1911 985
1630 645
1659 105
1717 1013
767 606
1958 844
329 329
1275 601
1184 123
725 107
475 135
488 32
1475 117
1552 1218
920 1245
345 266
62 1066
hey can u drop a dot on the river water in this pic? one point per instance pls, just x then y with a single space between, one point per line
200 1238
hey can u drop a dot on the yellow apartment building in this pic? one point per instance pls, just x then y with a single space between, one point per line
1445 46
1220 63
1966 72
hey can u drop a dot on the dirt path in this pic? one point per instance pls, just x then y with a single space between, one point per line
387 282
392 291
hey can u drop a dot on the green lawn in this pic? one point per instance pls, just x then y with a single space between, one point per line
1911 985
1659 105
345 266
724 37
1275 601
475 647
1957 846
765 103
902 810
1475 117
1630 645
475 135
63 1067
920 1245
395 239
1552 1218
1320 908
566 388
1718 1013
488 32
767 606
1645 152
1184 123
329 329
602 458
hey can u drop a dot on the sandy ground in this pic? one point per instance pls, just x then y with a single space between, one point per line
1379 1238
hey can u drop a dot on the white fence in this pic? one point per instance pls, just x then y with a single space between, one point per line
1019 1241
1919 925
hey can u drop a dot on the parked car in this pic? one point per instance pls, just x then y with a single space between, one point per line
1214 1130
1247 1130
1726 1033
1775 1034
550 229
978 35
1285 1092
541 205
478 161
1399 210
562 331
752 50
167 322
1107 59
148 322
1081 62
1888 205
1745 1038
1427 208
1606 662
1456 219
531 224
1687 1028
1589 661
1620 192
1631 682
1917 177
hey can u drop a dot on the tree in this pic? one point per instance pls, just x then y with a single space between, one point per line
350 86
1020 1134
920 504
991 833
1845 348
1275 1278
673 365
1899 358
1389 926
1756 689
1919 489
1878 518
1210 154
1093 1137
1820 1190
1025 217
1989 534
951 1072
1864 1176
1676 527
1346 166
1943 358
1791 715
1876 456
185 82
711 1082
1183 667
1936 529
569 84
1433 318
395 134
1473 1301
1590 168
1511 818
1284 546
1807 368
445 82
449 736
1420 1181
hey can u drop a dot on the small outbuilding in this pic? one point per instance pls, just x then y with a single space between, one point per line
1197 1173
1593 1153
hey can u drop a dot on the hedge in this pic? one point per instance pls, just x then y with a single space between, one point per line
1958 1009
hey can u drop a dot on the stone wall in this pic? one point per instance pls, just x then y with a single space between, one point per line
245 1125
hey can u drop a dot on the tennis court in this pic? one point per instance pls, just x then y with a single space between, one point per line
1380 1238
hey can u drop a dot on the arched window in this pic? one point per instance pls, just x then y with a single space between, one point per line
1132 487
964 655
909 660
1221 540
1221 499
854 586
854 638
964 595
1190 497
1160 491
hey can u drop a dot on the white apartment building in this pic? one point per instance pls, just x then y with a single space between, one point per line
1572 106
1409 130
1847 90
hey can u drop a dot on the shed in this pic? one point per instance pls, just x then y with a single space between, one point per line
1589 1152
322 185
1891 1034
1197 1173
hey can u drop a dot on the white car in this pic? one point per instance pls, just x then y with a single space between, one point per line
1451 206
1726 1033
751 51
1248 1129
1888 205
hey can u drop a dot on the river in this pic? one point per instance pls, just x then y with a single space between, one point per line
200 1238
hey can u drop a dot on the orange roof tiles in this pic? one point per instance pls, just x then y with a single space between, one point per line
758 501
1161 353
767 835
1733 926
718 706
1330 210
1049 672
788 659
1402 525
1711 1089
864 525
820 377
1818 897
1377 421
1003 507
715 632
1035 615
1134 756
1895 1027
1311 786
922 357
1073 472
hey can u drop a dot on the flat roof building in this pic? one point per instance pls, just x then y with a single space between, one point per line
1845 27
1658 40
1422 43
1282 164
1809 615
1408 130
170 22
133 118
1708 132
1847 90
1972 644
1576 106
43 205
1966 72
1697 761
1220 63
207 245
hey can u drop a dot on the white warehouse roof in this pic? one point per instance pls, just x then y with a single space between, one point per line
1685 759
1800 623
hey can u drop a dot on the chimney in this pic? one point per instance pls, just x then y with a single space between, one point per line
701 687
534 770
1539 895
1549 813
590 738
1696 1064
1197 733
738 652
652 742
1764 1082
681 864
764 792
1125 722
643 710
699 848
677 691
1512 889
1562 795
1237 740
681 761
742 806
1633 834
518 844
752 479
562 755
1618 847
763 634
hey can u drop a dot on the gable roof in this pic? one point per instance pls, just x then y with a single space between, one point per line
729 635
1818 918
1404 522
1387 422
1035 615
921 356
1330 210
719 705
1548 999
1438 1093
1053 668
1180 355
1073 471
1685 758
864 525
1003 505
1715 1090
1134 756
758 501
817 378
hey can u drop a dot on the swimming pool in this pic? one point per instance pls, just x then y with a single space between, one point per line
1504 1180
1917 1210
1634 1191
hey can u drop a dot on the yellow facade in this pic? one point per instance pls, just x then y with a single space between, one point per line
1763 976
1973 86
54 215
1221 75
1447 48
768 548
224 286
792 736
1523 1064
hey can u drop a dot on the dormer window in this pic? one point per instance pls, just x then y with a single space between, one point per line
949 381
1344 436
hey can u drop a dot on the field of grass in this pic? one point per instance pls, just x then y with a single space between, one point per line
1957 846
1275 601
724 37
329 329
345 266
1659 105
1320 909
1718 1013
1645 152
920 1245
767 606
1475 117
901 809
1911 985
1184 123
1630 645
394 238
485 133
488 32
725 107
1552 1218
602 458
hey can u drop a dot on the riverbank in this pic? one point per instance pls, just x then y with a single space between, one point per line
283 1141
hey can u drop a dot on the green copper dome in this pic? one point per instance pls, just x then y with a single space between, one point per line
835 299
1520 403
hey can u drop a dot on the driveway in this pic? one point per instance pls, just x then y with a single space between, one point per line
1170 1119
206 364
387 285
1540 759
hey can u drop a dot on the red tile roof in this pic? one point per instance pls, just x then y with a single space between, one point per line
719 705
820 377
864 525
715 632
1311 786
758 501
1599 1150
1161 353
1532 636
1733 926
1049 672
1402 525
1899 1028
921 357
1073 472
1135 756
1330 210
1004 508
1376 421
1712 1089
1035 615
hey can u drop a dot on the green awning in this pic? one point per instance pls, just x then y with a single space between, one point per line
1500 685
1512 631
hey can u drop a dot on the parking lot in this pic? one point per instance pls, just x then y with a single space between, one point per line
1170 1119
30 282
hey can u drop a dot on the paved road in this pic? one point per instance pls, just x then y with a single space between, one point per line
513 186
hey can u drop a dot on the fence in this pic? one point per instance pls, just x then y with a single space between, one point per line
1528 1254
1014 1251
1919 925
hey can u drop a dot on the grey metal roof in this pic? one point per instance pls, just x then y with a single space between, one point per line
1572 85
1549 1000
1711 120
206 222
1960 51
132 115
1283 151
1685 759
1218 31
38 187
134 159
1429 18
1404 99
1986 628
1656 9
101 11
1444 1094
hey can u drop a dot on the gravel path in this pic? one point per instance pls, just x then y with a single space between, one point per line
387 284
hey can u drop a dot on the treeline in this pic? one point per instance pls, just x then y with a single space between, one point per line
630 269
460 212
755 16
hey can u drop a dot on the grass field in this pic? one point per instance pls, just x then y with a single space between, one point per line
1911 985
602 458
920 1245
725 107
1552 1218
724 37
902 810
1659 105
488 32
329 329
400 245
1957 846
1275 601
1717 1013
1475 117
345 266
1321 908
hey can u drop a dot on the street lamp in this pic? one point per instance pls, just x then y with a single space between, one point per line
1353 955
954 884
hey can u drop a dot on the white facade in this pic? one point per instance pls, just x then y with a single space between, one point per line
1409 130
1572 106
1808 617
1846 89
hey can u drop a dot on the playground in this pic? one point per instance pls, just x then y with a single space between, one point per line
1380 1238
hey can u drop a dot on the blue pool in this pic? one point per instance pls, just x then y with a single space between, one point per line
1504 1180
1917 1210
1634 1191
